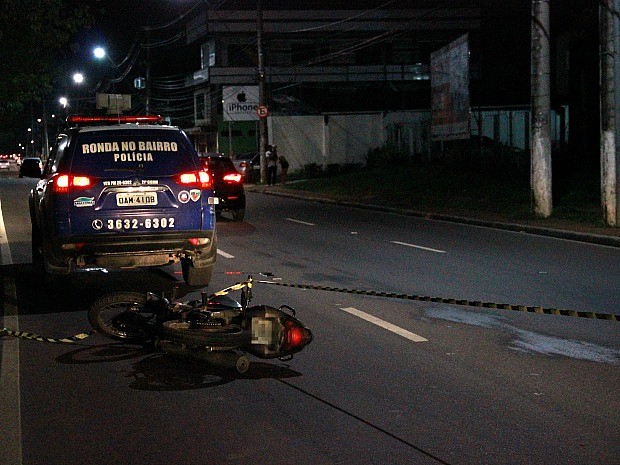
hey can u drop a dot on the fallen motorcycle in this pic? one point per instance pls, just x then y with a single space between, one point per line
216 329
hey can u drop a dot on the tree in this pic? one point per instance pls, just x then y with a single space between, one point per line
35 39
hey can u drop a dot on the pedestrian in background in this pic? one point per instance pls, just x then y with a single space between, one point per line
283 168
272 165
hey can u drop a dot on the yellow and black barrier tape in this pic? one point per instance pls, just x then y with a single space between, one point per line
235 287
463 302
35 337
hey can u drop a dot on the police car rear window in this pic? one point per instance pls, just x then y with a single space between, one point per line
155 152
220 164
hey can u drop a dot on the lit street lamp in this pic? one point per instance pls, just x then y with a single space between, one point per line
78 78
99 53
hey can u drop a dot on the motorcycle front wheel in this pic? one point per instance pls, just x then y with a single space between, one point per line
122 316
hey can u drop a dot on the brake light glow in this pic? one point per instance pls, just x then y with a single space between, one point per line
196 241
85 120
71 247
232 177
62 183
199 179
295 336
65 183
81 181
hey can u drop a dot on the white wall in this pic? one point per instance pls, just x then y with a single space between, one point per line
351 137
347 138
299 139
326 139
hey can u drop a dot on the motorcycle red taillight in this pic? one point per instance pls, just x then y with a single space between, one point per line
200 179
275 333
296 336
65 183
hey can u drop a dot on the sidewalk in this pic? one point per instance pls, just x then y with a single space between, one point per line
545 227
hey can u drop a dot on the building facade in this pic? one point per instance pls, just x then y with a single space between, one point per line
319 57
323 58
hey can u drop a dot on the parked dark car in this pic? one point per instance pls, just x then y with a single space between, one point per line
227 184
122 192
31 167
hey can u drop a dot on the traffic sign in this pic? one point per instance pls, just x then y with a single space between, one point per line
262 111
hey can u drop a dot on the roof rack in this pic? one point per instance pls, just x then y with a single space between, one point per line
84 120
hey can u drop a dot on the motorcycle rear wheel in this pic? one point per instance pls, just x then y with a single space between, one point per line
121 316
224 338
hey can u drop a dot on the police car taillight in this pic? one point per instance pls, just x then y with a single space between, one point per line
65 183
82 120
200 179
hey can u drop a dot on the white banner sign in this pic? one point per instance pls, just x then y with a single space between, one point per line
240 103
450 91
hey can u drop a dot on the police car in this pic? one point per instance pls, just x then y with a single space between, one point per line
122 192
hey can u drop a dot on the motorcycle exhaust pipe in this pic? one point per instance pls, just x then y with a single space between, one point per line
219 359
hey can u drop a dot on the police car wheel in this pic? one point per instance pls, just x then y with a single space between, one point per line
195 276
239 214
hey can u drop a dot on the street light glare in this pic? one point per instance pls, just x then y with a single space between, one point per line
99 52
78 78
63 101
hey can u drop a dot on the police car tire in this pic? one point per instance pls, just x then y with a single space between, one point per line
37 257
239 214
195 276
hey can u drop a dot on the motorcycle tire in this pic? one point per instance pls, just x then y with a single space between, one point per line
225 338
102 315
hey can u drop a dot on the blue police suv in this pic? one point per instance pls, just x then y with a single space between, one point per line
121 192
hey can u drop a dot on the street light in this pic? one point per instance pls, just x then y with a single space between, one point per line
99 53
78 78
63 101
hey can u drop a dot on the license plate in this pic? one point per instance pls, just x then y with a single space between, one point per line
262 331
136 199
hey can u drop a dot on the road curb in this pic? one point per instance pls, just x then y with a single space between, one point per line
599 239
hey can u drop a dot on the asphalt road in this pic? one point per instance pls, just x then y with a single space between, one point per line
386 380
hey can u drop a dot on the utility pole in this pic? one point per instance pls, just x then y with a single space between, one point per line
608 114
616 42
148 72
262 122
540 150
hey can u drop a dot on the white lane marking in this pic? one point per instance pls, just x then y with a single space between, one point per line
300 222
224 254
418 247
384 324
10 407
4 242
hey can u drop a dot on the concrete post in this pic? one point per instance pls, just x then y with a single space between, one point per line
608 114
540 181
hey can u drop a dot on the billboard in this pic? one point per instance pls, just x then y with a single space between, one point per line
114 103
240 103
450 91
